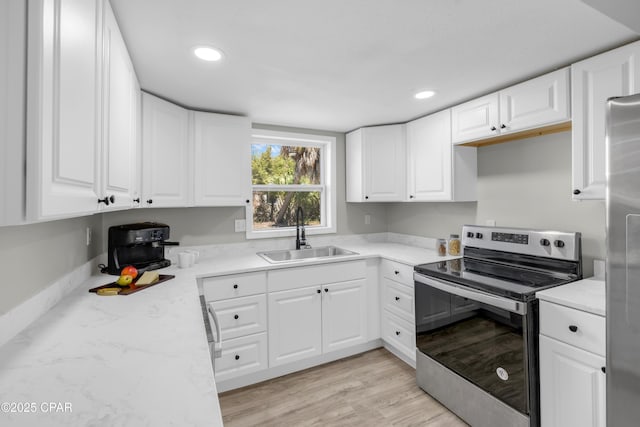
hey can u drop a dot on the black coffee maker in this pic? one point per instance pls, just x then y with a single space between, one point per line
140 245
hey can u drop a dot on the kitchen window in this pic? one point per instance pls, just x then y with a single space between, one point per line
290 170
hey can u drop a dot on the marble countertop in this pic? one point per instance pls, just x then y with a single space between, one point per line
587 295
136 360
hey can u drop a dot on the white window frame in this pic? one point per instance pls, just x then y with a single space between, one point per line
327 186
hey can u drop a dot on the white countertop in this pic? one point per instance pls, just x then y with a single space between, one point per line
136 360
587 295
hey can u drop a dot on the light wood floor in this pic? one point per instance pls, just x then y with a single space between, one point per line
370 389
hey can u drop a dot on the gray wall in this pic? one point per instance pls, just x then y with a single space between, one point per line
33 256
201 226
524 183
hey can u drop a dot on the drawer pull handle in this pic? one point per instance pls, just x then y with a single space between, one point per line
604 370
237 357
573 328
396 272
236 317
397 332
397 298
235 286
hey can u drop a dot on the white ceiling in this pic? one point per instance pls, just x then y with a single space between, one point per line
341 64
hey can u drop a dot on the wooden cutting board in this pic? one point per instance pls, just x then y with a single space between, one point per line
132 288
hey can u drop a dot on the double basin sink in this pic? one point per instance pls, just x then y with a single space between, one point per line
276 257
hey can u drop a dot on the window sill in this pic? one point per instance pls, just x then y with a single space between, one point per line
289 232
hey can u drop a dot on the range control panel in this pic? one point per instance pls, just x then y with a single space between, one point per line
553 244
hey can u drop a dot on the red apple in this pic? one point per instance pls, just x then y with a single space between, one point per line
129 270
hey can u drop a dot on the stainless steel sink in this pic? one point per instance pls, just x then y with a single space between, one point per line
276 257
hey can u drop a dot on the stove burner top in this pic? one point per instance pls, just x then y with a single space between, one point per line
508 280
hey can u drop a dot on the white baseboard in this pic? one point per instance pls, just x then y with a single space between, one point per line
400 355
20 317
279 371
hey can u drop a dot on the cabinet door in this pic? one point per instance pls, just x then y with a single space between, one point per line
222 162
295 327
384 163
594 80
572 386
475 119
536 102
13 50
165 153
63 107
429 157
344 315
120 119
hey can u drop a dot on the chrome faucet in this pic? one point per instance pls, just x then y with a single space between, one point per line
301 239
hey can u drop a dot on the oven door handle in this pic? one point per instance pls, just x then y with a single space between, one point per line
472 294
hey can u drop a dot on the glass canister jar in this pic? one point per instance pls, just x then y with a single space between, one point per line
441 247
454 244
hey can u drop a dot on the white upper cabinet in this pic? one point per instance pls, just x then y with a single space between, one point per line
13 50
475 119
166 153
376 162
222 162
120 166
63 104
594 80
438 171
536 103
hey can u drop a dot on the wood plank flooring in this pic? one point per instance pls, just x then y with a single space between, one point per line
370 389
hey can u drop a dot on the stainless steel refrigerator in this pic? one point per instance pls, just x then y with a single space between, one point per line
623 261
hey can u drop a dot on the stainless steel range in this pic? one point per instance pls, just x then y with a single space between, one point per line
477 321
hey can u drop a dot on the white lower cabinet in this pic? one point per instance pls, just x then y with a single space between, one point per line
344 315
572 367
242 356
295 325
397 301
572 386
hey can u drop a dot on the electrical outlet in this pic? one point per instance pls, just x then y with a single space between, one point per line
490 222
240 225
88 235
367 219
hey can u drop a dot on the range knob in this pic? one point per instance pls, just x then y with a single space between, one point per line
558 243
478 235
545 242
470 234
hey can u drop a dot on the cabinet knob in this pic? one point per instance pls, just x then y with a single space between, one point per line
318 291
235 286
576 191
366 197
502 126
411 196
149 201
236 317
247 201
604 370
137 200
573 328
108 200
237 357
326 289
493 128
397 332
397 298
396 272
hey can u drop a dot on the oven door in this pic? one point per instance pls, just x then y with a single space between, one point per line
479 336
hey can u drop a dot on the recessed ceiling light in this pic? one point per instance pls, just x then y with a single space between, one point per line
207 53
424 94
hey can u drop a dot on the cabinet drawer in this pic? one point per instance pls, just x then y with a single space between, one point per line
234 285
559 322
241 316
399 333
313 275
241 356
397 271
398 298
